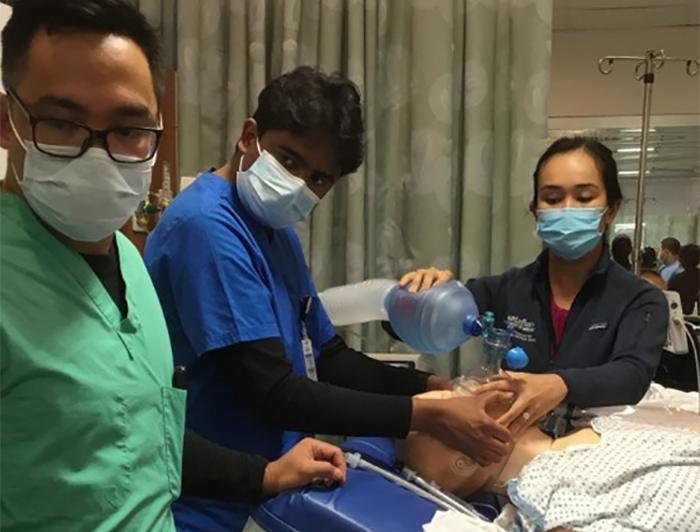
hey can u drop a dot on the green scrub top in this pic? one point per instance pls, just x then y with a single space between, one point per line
92 431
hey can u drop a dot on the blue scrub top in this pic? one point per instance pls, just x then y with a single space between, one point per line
224 278
669 271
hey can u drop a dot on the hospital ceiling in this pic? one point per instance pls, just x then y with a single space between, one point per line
673 152
621 14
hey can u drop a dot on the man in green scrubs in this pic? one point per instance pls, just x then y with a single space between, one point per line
92 420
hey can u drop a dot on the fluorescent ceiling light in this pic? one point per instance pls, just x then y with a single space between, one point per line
634 150
631 172
619 228
637 130
624 226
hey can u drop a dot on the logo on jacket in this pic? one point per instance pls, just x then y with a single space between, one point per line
521 324
523 329
601 326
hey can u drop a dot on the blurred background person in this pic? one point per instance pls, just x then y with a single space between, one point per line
621 250
687 282
670 250
648 259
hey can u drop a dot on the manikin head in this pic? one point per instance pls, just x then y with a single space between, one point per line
452 470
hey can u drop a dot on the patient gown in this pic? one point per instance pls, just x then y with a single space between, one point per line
639 478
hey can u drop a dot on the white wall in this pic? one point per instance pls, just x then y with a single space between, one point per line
579 89
4 17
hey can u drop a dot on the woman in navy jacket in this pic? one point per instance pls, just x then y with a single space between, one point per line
593 331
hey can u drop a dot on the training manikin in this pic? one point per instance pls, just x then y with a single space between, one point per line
594 479
457 473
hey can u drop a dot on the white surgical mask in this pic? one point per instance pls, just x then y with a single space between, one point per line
272 195
86 199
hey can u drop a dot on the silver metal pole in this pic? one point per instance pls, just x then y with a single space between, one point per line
648 80
652 61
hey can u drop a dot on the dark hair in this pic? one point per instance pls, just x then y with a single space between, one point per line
671 244
118 17
648 258
689 256
308 102
602 156
621 248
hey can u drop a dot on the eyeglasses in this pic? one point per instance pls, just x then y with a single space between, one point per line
70 140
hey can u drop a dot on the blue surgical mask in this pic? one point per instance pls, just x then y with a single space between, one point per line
570 233
272 195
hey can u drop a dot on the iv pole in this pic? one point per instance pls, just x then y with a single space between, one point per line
645 71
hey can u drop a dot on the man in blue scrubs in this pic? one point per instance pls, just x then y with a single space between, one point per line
264 362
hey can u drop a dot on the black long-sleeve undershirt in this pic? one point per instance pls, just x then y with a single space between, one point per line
213 472
346 400
340 365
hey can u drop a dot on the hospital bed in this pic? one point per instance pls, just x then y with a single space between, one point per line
367 502
370 503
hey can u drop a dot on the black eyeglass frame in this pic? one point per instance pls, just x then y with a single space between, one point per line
93 134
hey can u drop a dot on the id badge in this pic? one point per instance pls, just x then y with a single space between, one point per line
309 360
307 347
